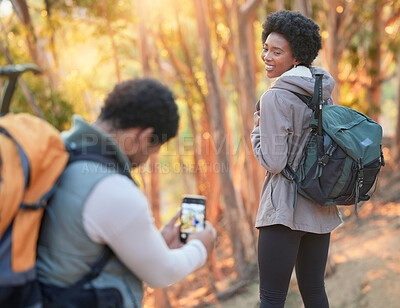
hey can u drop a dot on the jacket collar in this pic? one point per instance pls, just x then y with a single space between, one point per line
300 71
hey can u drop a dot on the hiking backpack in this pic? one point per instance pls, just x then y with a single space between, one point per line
342 156
32 158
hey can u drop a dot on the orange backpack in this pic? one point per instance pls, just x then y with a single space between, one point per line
32 157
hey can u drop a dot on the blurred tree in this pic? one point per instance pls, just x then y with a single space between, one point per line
374 56
204 160
279 5
239 20
396 147
303 6
37 52
160 295
342 23
36 98
214 94
110 32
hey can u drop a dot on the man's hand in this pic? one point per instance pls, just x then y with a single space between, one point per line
170 233
207 237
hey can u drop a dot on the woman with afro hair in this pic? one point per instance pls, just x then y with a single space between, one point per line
293 231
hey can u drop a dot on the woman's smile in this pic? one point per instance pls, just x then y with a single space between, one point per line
277 55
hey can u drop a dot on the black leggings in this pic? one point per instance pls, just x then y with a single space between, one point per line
279 249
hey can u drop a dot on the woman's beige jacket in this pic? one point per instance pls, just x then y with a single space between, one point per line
280 138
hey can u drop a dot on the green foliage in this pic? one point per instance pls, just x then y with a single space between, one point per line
358 67
54 107
57 110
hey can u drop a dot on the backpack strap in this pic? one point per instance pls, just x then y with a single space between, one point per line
95 153
315 103
305 99
24 159
291 176
67 292
90 153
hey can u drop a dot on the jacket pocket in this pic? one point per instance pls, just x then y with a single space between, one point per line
271 197
266 207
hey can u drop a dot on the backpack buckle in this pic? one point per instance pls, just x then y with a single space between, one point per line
360 176
289 174
323 161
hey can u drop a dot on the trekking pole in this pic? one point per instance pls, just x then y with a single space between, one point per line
13 72
318 101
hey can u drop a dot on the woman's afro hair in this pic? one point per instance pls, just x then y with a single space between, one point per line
301 32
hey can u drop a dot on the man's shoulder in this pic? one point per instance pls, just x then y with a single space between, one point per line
115 198
119 185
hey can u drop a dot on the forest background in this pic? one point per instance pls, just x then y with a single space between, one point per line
207 52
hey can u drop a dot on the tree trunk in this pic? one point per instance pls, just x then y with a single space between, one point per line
341 28
196 136
332 50
303 6
207 178
245 83
279 5
160 295
22 11
52 33
207 182
212 189
111 36
396 155
37 53
182 166
155 189
254 50
374 60
218 129
189 63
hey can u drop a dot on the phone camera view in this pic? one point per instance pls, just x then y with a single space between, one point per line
192 217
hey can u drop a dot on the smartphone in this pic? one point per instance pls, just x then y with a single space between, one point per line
193 215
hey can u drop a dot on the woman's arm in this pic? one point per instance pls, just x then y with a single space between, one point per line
270 138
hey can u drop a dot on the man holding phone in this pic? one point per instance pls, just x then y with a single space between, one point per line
193 215
98 205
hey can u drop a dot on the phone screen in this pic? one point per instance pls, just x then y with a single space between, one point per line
193 215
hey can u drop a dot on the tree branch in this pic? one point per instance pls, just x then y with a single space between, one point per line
248 9
22 10
392 18
347 13
346 38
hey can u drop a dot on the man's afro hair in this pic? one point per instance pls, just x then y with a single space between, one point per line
301 32
142 103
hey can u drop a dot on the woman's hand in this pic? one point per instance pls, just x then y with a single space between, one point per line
256 118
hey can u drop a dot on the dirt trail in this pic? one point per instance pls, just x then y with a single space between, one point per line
367 264
365 257
365 253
